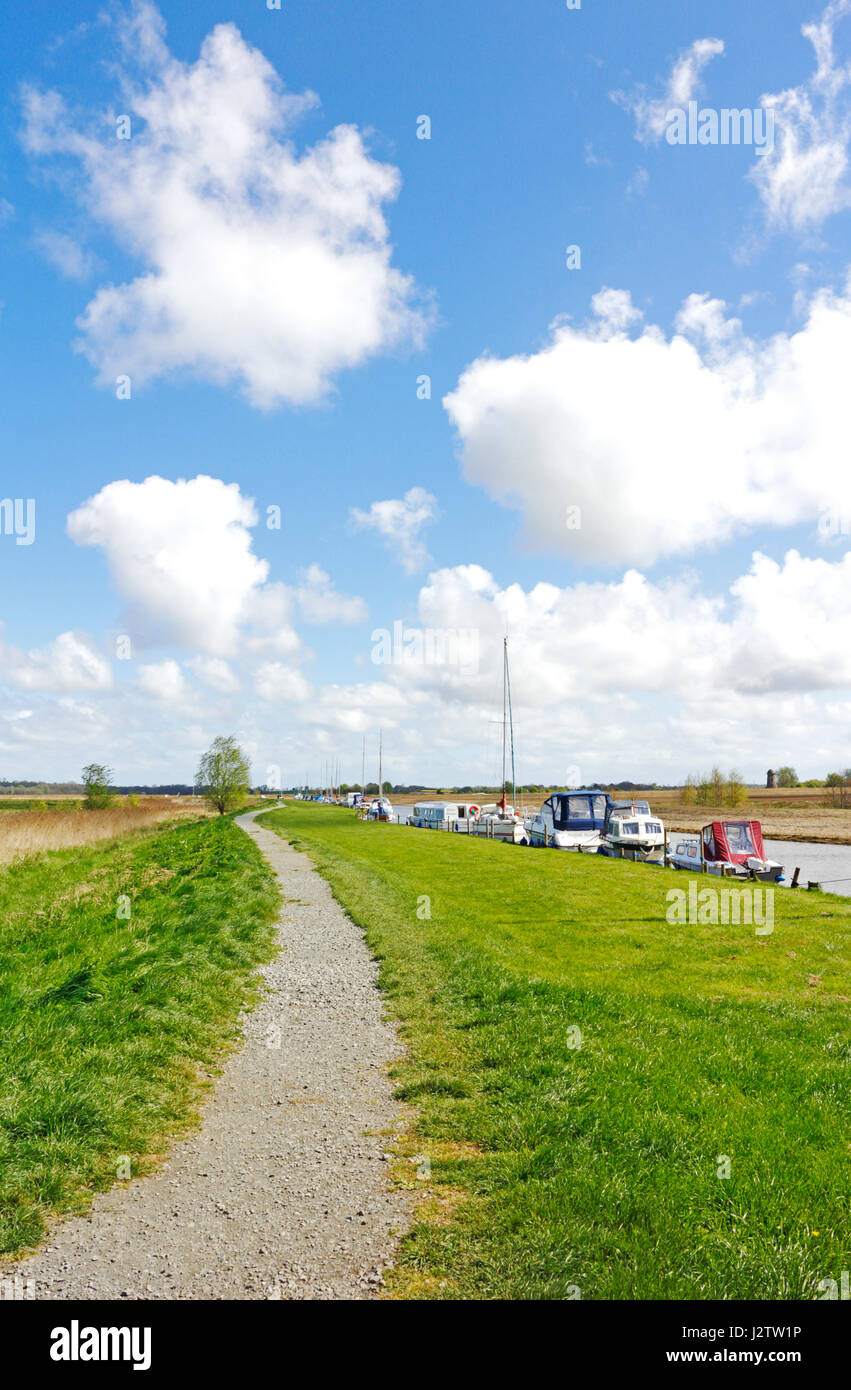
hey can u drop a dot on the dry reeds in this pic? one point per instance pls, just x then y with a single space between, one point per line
34 832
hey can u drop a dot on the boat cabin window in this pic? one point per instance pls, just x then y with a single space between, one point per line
709 842
739 837
629 828
575 808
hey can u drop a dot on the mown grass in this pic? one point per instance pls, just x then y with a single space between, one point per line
556 1167
107 1021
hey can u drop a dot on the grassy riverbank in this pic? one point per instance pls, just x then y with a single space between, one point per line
582 1069
109 1019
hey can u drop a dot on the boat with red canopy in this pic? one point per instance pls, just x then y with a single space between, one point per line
738 844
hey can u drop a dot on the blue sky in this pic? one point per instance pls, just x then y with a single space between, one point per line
213 269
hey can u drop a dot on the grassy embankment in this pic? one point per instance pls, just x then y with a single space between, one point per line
556 1166
108 1023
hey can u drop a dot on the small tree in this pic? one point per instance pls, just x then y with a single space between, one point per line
737 792
224 775
96 780
787 777
689 795
836 782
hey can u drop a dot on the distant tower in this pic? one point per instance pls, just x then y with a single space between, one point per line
771 778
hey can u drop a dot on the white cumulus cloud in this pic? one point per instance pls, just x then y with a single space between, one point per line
281 684
661 445
216 673
70 662
180 554
259 265
320 602
163 680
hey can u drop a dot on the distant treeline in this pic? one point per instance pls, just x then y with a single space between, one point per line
77 789
415 788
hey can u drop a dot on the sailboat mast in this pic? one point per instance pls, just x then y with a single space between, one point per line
504 725
363 766
511 727
380 762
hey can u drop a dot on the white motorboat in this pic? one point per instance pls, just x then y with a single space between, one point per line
573 820
500 822
632 832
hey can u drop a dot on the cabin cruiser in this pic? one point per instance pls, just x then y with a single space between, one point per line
571 820
443 815
632 831
499 821
727 847
380 809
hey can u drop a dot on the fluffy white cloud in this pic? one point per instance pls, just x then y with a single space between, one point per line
775 631
399 521
615 310
281 684
180 554
804 178
261 266
628 678
663 444
682 86
163 680
213 671
70 662
320 603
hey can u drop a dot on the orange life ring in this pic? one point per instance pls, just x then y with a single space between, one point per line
474 811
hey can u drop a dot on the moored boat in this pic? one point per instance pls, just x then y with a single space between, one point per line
632 831
500 821
444 815
572 820
728 847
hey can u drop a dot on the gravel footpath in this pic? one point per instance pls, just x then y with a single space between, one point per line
284 1191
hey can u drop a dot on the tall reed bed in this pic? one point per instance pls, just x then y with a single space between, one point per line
33 832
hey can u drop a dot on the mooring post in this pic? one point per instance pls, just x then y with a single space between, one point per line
811 886
794 882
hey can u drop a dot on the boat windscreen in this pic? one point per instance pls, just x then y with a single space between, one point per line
739 837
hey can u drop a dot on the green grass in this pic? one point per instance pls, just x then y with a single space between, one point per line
556 1167
108 1022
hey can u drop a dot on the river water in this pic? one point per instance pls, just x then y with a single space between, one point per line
819 863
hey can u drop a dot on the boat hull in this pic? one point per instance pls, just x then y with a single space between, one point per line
512 831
